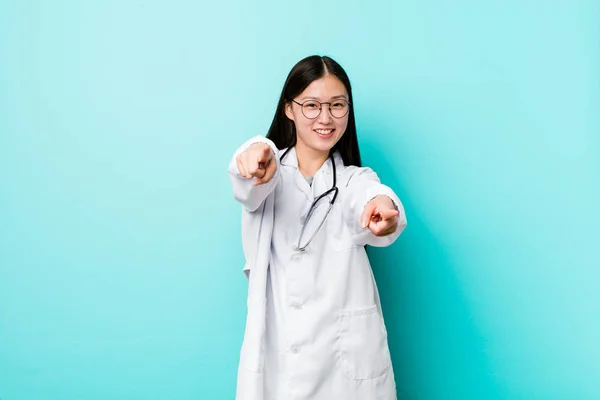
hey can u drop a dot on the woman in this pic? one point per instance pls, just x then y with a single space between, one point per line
314 327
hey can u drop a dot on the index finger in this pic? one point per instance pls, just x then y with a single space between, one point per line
387 214
269 173
366 214
265 155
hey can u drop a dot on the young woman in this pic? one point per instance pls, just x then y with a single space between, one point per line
314 327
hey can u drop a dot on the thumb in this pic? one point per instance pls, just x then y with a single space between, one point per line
366 214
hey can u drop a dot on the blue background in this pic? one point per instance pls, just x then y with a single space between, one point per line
120 254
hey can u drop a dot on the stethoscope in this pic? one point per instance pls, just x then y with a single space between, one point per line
334 190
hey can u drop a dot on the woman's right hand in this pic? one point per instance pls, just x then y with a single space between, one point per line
258 161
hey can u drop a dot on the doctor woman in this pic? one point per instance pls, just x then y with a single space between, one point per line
314 327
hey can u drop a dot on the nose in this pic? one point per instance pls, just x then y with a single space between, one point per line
325 115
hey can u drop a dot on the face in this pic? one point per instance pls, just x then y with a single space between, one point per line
323 132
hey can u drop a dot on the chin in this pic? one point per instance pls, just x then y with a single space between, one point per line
323 146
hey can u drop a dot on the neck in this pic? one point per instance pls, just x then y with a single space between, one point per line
309 160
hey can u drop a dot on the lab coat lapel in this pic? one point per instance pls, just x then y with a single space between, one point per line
291 160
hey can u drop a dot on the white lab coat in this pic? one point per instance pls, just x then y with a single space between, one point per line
354 375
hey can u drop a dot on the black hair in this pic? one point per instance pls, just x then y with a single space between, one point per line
283 131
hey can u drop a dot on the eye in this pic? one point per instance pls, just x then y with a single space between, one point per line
338 104
311 104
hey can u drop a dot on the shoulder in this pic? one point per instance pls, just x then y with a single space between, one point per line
353 174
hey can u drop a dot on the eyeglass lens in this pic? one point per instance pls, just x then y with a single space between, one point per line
312 108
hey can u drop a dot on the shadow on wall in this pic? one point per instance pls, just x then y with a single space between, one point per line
437 351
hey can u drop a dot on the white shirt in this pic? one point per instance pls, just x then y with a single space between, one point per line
325 338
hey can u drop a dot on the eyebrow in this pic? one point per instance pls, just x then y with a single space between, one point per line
332 98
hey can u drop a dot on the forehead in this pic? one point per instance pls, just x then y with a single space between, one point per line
325 88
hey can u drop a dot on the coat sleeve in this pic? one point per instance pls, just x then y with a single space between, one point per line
363 186
244 191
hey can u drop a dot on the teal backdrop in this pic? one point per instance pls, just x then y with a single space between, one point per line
120 254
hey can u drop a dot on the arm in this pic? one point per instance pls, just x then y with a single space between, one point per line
248 187
368 201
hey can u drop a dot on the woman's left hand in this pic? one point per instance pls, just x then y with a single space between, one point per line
380 216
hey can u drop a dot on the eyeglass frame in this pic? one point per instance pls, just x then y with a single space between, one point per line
321 107
334 189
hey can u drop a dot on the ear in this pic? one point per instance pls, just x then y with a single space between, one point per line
289 112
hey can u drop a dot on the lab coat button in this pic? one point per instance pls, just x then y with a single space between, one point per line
297 257
294 350
297 306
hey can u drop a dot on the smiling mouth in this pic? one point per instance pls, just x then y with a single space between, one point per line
324 132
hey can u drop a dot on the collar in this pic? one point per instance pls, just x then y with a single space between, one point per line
291 160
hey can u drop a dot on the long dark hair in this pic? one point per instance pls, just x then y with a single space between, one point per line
283 131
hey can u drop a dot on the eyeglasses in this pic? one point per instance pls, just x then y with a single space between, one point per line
318 211
312 108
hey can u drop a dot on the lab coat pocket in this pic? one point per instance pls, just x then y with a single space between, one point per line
252 355
363 343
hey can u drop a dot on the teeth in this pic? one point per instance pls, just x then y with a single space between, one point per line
323 131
